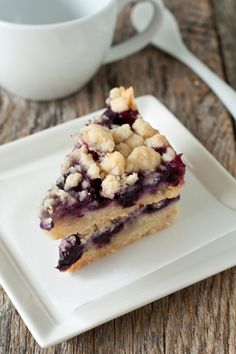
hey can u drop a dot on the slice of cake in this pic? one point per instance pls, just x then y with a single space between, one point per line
121 181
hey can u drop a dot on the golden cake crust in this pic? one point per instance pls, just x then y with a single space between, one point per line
145 225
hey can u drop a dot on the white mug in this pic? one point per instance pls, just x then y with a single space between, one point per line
51 48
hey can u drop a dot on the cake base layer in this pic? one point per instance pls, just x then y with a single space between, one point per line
71 224
145 224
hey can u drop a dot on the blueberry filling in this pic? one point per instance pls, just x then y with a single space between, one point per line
161 150
174 171
119 118
103 121
71 248
70 251
129 197
105 237
45 225
94 154
151 208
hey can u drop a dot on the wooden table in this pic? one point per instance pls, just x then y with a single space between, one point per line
201 318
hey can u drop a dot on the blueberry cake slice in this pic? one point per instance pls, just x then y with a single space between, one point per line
121 181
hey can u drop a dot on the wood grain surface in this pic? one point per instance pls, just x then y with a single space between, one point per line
202 317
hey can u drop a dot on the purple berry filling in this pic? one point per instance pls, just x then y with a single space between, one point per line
105 237
70 251
71 248
174 171
151 208
119 118
129 197
161 150
46 225
94 154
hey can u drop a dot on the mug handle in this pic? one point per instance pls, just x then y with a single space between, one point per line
138 41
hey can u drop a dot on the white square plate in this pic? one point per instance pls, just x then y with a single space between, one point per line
56 306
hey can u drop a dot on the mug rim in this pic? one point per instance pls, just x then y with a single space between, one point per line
25 26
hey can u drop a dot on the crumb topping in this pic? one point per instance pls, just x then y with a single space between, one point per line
54 197
65 165
156 141
83 195
124 149
143 158
96 136
113 163
143 128
121 133
121 99
130 179
61 195
134 141
73 180
110 186
169 155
